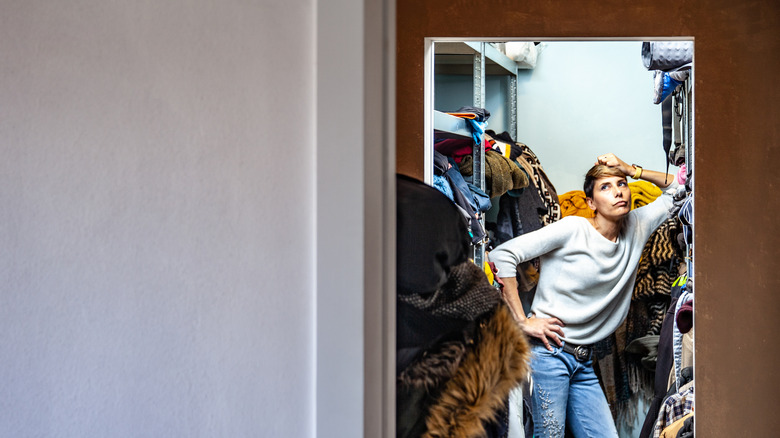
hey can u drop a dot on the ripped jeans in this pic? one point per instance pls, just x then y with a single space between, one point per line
565 390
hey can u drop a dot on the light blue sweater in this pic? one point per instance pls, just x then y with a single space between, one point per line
585 280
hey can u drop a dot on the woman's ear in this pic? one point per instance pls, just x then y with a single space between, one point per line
590 203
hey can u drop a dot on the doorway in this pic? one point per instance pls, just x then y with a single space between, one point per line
572 101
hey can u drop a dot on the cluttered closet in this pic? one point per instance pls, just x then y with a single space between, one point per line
513 127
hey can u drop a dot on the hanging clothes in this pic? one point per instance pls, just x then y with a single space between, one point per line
664 365
501 174
463 196
662 260
675 428
423 263
459 352
520 211
687 430
458 148
543 185
461 387
441 184
518 214
684 318
678 338
674 408
503 144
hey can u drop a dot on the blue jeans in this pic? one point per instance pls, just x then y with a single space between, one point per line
565 390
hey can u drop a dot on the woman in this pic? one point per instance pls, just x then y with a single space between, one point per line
588 268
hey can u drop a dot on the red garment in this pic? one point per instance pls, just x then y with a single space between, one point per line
685 317
457 148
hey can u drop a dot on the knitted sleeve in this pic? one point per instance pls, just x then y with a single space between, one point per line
531 245
651 216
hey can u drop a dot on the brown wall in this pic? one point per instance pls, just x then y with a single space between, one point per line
737 167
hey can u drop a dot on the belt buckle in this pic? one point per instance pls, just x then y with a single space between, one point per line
581 353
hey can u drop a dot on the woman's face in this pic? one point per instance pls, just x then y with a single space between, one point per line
611 197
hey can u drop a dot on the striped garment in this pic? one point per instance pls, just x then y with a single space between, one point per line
543 185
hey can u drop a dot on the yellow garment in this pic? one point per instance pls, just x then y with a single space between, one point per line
643 193
573 203
672 430
488 272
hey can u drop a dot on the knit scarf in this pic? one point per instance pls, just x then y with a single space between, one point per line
466 295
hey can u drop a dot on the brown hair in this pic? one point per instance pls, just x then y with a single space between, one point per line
596 172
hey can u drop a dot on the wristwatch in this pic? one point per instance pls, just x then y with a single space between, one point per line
637 172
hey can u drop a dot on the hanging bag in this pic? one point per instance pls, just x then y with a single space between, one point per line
667 55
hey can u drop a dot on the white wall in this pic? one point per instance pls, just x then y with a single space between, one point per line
340 197
584 99
157 185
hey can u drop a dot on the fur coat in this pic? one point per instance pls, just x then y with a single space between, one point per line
459 388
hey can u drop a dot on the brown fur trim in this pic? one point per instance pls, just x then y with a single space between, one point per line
434 368
480 387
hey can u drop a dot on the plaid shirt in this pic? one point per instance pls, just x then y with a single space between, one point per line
675 407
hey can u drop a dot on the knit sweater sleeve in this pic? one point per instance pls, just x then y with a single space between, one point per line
651 216
530 245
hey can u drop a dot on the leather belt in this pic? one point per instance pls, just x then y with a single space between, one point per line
580 352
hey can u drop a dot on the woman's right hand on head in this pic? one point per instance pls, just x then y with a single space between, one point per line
544 328
611 160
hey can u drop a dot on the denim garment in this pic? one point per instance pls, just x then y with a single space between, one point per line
442 185
457 182
481 199
567 391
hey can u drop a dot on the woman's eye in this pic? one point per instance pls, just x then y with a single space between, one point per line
623 183
604 187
